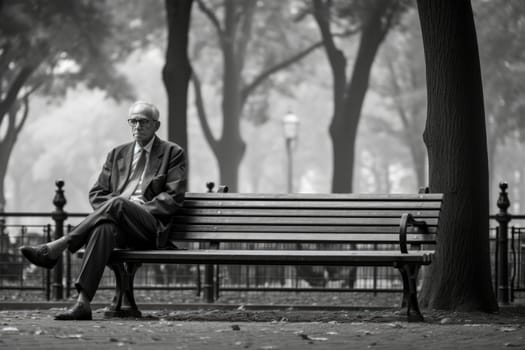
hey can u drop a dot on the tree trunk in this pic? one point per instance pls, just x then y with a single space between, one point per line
455 135
231 146
343 129
177 69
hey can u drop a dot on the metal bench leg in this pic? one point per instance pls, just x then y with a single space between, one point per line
208 286
124 276
410 304
404 278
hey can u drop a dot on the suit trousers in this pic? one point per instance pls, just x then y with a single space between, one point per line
118 223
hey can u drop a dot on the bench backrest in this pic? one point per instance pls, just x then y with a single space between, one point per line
305 218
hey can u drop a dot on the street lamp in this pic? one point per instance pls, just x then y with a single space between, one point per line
291 129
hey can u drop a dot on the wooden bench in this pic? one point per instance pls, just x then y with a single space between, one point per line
404 221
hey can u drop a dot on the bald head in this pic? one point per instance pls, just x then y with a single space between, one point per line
144 109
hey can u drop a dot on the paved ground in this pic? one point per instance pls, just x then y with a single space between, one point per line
247 327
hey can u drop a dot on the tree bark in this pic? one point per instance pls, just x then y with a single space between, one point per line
419 157
455 135
231 146
177 69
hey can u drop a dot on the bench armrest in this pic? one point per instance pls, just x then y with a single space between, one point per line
408 220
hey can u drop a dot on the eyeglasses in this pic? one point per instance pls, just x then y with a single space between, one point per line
143 122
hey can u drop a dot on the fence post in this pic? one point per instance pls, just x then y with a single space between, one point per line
3 247
59 216
503 217
208 292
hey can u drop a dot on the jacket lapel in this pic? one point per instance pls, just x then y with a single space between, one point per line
124 166
155 159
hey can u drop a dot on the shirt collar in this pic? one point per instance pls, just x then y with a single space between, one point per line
147 148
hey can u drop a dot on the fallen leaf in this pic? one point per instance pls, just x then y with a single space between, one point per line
9 329
396 325
508 329
307 337
319 338
69 336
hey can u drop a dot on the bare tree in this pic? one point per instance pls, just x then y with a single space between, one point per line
374 20
234 32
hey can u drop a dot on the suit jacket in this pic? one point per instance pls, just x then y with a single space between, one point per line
163 185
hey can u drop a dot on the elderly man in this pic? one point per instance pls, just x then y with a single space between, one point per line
140 187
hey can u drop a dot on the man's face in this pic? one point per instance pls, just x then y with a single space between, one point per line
143 128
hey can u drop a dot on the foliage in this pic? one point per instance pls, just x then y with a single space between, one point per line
501 28
64 42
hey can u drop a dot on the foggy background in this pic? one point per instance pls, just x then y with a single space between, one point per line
67 135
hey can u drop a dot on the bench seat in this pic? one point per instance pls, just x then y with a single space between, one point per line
293 229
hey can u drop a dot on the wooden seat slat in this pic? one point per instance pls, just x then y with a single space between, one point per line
318 221
286 237
300 257
282 228
274 212
331 197
366 205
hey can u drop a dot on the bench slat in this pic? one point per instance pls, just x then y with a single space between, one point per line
293 257
358 205
197 211
317 221
284 237
284 229
316 196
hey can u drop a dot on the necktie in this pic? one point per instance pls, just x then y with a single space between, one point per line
134 179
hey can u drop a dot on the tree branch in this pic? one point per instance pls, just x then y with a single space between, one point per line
397 92
25 101
335 56
322 16
279 66
14 89
201 113
211 16
248 11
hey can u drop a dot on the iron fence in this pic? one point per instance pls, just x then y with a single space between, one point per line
17 274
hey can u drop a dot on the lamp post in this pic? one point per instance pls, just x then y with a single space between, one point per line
290 128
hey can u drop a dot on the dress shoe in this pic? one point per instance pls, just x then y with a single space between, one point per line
79 311
39 256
